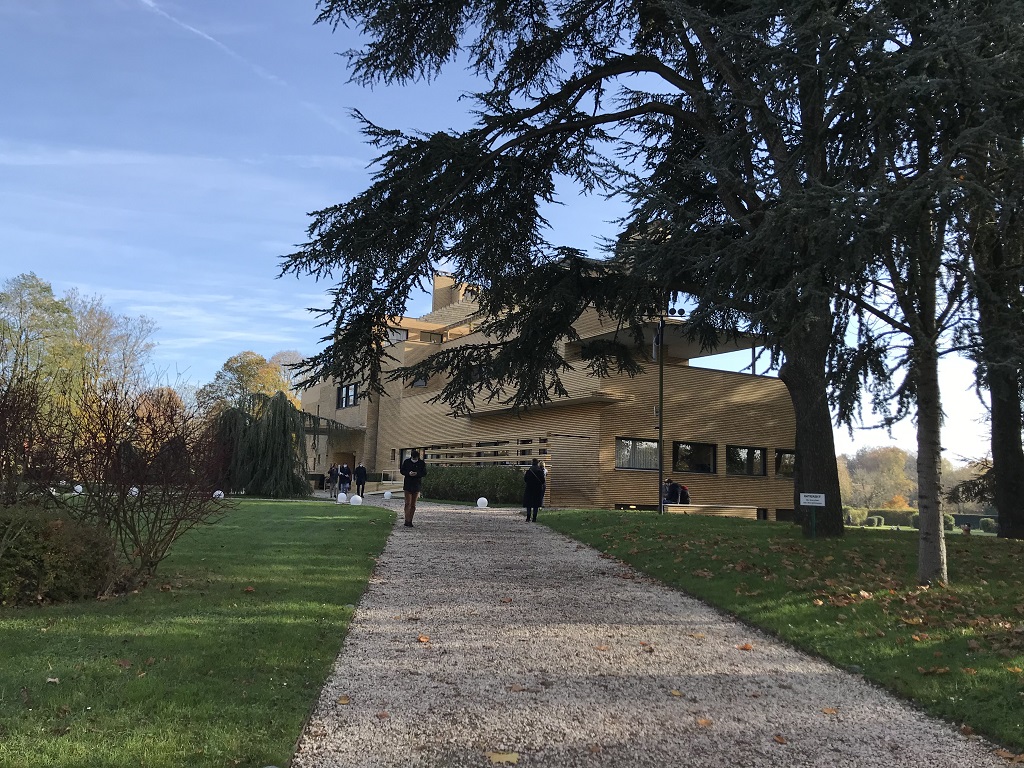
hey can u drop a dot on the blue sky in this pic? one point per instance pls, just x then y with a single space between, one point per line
163 154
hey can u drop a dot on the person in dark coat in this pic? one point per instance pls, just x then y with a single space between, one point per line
332 479
361 479
414 469
533 495
684 494
674 491
345 478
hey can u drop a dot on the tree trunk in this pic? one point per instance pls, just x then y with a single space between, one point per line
999 324
803 373
931 549
1007 451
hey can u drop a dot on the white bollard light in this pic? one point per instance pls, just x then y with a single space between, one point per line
218 494
78 489
481 502
342 498
387 495
133 491
356 499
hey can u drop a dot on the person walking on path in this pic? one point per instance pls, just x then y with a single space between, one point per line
533 495
345 478
414 469
360 479
332 479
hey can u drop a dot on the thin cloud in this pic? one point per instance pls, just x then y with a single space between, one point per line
270 77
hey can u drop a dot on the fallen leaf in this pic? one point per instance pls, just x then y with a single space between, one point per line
383 715
705 722
123 663
966 730
54 680
973 645
601 647
344 700
1004 753
506 599
674 692
969 671
818 602
250 589
745 647
830 710
779 739
1015 670
697 635
424 638
503 757
594 748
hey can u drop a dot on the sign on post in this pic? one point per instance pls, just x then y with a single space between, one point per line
812 500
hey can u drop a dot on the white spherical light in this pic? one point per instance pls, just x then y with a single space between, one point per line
78 489
356 499
218 494
481 502
133 491
387 495
342 498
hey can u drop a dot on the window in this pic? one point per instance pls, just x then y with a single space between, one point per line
743 460
694 457
420 382
347 395
785 462
396 335
433 338
631 453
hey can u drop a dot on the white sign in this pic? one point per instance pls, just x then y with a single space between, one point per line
812 499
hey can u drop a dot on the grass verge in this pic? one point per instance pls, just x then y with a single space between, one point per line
216 665
957 652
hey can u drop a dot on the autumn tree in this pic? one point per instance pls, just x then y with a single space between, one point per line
242 375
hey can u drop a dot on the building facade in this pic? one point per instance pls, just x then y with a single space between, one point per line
729 437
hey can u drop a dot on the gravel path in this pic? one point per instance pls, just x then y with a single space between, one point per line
484 639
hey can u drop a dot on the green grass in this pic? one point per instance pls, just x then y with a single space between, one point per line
216 664
957 652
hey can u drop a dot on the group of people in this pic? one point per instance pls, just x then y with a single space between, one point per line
414 469
339 478
674 493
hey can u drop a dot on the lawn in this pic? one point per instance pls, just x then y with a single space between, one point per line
216 664
957 651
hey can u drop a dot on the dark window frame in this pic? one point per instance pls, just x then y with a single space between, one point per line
347 396
633 453
748 461
779 454
703 468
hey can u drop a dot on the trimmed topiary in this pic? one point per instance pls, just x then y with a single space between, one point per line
988 525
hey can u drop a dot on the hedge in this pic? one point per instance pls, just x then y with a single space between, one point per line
988 525
498 484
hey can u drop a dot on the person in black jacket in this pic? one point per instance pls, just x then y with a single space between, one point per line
361 479
414 469
533 495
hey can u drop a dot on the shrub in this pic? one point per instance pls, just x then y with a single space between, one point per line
855 515
894 516
988 525
948 522
874 521
915 520
53 558
499 484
